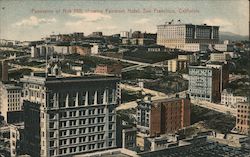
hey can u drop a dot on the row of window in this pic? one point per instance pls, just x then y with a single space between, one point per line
69 123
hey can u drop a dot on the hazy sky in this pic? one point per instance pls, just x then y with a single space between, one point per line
34 19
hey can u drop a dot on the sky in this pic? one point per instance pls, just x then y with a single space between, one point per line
34 19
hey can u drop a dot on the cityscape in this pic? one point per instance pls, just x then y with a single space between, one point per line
124 78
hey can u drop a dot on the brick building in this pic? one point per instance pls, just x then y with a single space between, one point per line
243 118
109 69
156 117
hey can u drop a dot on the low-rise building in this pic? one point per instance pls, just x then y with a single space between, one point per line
109 69
82 50
219 57
161 142
191 58
175 65
229 99
223 47
129 138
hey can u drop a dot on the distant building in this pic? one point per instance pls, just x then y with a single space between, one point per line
223 47
109 69
186 36
175 65
34 52
96 34
228 98
243 118
10 102
124 34
70 115
155 48
191 58
82 50
156 117
204 83
232 55
95 49
219 57
60 49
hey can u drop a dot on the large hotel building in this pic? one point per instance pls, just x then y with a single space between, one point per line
65 116
187 37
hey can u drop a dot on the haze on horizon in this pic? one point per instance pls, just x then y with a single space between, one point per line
32 20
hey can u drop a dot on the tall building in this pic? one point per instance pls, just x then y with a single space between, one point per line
5 71
223 68
70 115
204 83
243 118
186 37
10 102
156 117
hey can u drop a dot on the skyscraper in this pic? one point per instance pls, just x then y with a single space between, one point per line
70 115
204 83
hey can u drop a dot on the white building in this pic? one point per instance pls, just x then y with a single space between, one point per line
124 34
95 48
191 58
10 100
223 47
229 99
204 83
186 37
175 65
61 49
219 57
71 115
13 138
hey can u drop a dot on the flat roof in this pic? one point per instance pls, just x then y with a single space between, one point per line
185 24
40 78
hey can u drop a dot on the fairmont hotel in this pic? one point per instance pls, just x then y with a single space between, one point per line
187 37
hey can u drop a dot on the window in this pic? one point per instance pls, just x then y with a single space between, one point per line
82 113
72 140
82 139
72 132
92 138
72 123
82 121
82 148
82 130
110 143
110 135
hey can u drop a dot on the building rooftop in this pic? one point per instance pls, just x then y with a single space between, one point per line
184 24
118 152
40 78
